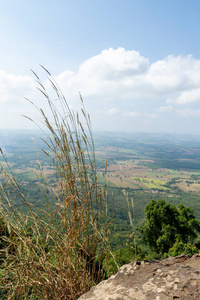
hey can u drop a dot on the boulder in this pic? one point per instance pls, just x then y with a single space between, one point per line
172 278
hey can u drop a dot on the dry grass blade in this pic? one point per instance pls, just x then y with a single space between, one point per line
46 70
27 118
57 252
35 74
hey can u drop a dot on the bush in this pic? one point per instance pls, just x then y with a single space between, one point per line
181 248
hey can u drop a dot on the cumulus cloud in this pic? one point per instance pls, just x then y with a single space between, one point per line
14 87
113 64
189 96
127 75
124 79
107 75
120 74
174 74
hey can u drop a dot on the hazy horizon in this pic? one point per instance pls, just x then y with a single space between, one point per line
142 134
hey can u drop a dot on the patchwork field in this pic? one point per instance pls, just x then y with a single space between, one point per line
136 174
149 163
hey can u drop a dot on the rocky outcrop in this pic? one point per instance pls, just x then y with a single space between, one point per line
172 278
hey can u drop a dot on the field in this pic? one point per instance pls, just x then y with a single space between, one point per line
136 173
147 166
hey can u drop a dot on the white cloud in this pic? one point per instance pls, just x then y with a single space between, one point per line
130 114
113 64
117 78
167 108
112 111
127 75
14 87
120 74
107 75
187 97
174 74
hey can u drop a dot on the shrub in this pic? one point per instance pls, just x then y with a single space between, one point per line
181 248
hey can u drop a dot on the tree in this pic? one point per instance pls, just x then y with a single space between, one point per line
166 224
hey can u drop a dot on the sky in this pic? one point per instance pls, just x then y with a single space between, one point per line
136 63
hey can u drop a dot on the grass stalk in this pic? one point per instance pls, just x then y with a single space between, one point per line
59 255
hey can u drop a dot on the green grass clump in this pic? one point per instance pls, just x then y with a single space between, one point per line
59 255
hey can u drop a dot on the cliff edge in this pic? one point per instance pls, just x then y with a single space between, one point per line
172 278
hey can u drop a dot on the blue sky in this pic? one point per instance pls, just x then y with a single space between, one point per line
136 63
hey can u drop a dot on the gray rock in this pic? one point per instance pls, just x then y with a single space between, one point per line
172 278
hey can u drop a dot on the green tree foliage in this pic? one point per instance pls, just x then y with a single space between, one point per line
179 248
166 224
124 256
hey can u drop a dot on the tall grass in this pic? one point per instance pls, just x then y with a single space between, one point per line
59 255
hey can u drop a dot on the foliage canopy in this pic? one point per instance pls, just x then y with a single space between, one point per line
166 224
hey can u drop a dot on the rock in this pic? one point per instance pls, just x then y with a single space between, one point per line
172 278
